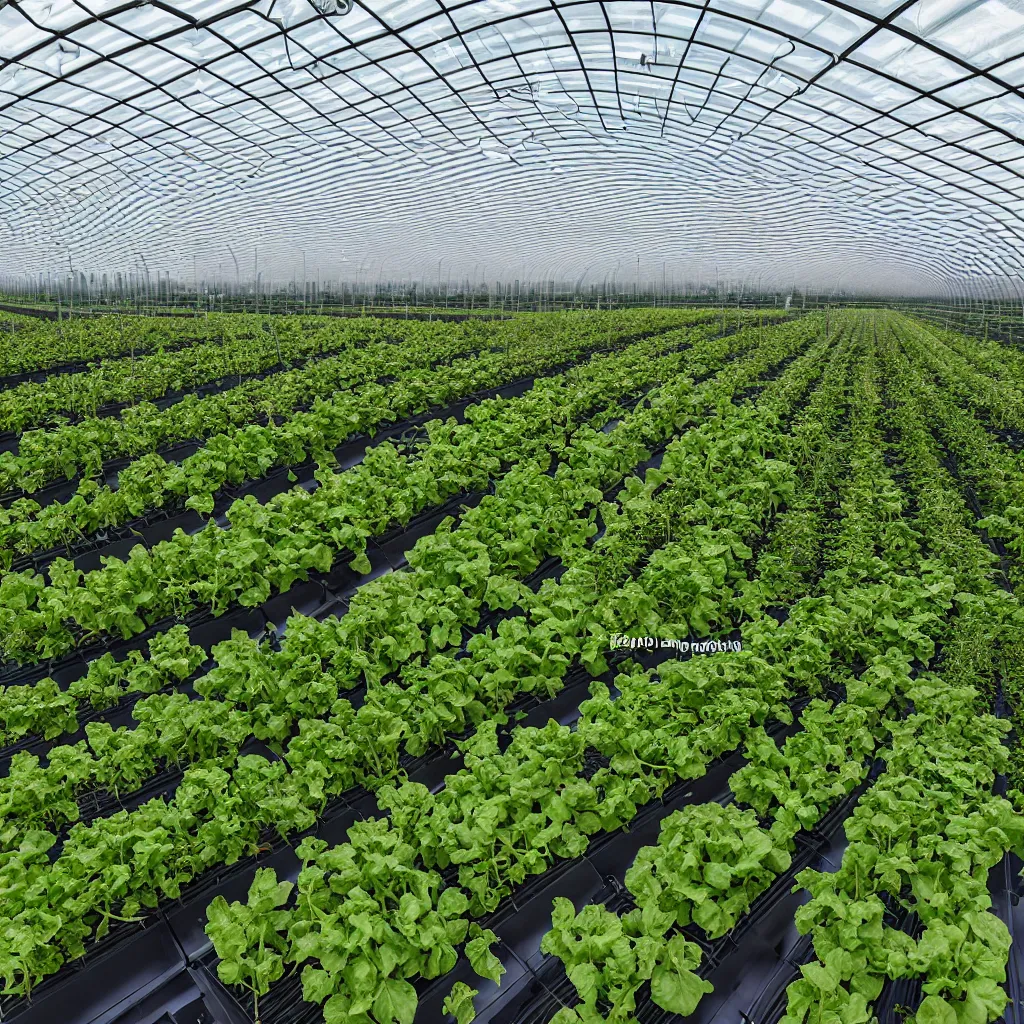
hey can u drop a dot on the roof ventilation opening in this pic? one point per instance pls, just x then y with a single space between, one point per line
332 7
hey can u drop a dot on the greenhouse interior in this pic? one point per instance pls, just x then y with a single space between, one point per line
511 511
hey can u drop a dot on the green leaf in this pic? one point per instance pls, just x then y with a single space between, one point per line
452 903
482 960
201 503
935 1010
824 979
316 984
266 893
396 1002
989 929
677 989
459 1003
337 1010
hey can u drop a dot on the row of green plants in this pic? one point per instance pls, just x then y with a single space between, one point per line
917 845
240 346
83 447
1000 402
118 865
454 576
532 515
32 344
987 472
711 862
990 651
268 547
992 358
45 711
923 837
507 816
231 458
981 463
79 346
123 758
153 375
983 654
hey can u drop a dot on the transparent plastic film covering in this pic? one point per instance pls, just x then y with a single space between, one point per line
872 145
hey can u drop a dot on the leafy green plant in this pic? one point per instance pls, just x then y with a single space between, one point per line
710 863
247 938
608 958
459 1003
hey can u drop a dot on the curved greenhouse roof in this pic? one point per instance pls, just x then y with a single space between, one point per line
874 144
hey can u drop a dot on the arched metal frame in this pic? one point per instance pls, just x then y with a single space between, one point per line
798 134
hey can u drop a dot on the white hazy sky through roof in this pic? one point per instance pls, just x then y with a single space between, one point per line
873 145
